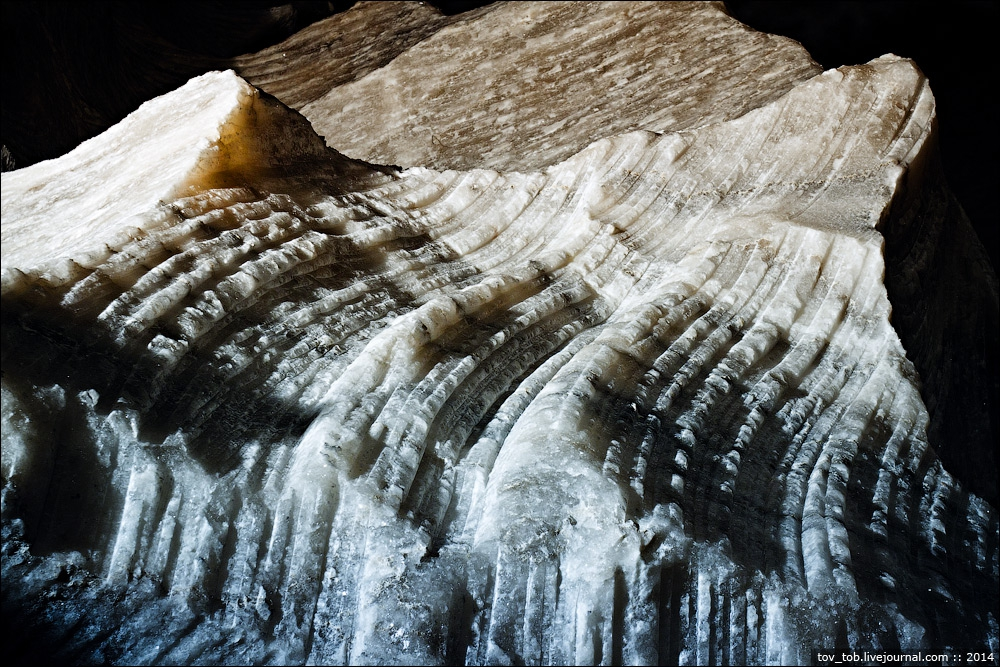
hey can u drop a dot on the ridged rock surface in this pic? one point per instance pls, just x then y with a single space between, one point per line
529 84
266 404
520 86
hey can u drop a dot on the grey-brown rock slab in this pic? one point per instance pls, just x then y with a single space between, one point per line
526 85
642 406
343 47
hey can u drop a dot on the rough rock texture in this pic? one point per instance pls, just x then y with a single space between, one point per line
266 404
520 86
529 84
343 48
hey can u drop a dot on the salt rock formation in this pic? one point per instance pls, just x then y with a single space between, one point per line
263 403
521 86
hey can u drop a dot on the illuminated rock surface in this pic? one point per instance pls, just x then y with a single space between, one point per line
529 84
638 402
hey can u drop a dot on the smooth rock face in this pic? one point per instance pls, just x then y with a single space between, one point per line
641 405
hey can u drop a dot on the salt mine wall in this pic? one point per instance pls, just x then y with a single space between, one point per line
538 333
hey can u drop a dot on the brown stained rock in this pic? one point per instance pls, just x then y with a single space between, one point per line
342 48
528 84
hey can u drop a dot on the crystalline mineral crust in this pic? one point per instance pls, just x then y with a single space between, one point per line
635 400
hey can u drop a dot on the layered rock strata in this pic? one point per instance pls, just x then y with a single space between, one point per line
529 84
519 86
644 404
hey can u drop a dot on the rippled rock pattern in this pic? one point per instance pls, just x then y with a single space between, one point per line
653 66
521 86
266 404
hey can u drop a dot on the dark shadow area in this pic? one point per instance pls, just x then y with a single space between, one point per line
26 641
